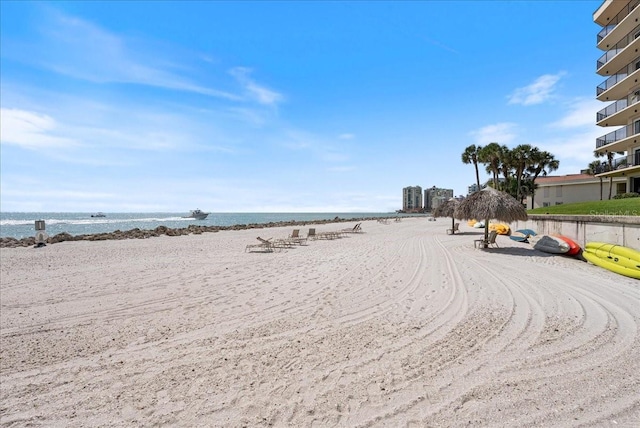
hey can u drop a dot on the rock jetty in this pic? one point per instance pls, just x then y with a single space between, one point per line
136 233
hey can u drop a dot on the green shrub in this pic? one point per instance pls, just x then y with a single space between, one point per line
627 195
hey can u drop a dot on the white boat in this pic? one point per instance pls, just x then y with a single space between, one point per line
98 215
197 214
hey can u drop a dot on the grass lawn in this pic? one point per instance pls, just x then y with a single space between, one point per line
623 207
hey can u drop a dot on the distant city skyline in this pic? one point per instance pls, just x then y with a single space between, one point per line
413 198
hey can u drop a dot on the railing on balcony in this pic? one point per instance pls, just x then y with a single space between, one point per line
621 162
618 163
627 161
617 19
611 81
617 135
610 54
611 109
606 30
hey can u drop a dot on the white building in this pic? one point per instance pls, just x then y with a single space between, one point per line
472 189
566 189
620 64
434 196
412 198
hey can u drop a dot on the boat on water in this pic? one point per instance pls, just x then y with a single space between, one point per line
197 214
98 215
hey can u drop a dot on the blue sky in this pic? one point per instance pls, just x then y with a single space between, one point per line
282 106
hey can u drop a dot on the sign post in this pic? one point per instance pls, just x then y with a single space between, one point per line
41 235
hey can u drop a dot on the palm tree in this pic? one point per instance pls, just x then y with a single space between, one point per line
540 163
506 166
521 160
490 155
596 167
609 167
470 155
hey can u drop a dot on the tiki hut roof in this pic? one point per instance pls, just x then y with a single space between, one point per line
446 209
491 204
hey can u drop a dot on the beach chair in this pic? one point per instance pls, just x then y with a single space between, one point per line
328 235
296 238
273 243
491 240
283 243
454 230
265 245
354 229
291 240
312 233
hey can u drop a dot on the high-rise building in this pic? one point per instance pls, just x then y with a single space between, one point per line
619 38
434 196
472 189
412 198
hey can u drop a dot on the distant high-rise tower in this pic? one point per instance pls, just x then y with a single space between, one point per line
620 64
434 196
412 198
472 189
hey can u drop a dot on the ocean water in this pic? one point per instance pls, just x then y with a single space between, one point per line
22 224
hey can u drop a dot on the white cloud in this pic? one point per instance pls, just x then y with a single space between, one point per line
82 50
578 146
572 137
582 112
346 136
501 133
259 93
31 130
537 92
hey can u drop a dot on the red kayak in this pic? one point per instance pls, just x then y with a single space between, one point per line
574 248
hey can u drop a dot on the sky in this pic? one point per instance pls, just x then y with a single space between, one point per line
124 106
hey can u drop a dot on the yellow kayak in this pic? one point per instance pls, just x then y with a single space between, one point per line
502 229
616 258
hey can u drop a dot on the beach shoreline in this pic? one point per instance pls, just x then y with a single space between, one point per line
401 325
138 233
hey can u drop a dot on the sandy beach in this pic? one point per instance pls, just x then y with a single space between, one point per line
399 326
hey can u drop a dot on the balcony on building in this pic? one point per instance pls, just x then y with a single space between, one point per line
607 11
619 55
620 84
620 112
619 25
620 140
620 166
618 163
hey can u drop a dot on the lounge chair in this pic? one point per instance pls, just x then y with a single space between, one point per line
312 233
354 229
265 245
296 238
328 235
322 235
291 240
491 240
454 230
275 243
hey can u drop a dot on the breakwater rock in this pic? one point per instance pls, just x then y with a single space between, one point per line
163 230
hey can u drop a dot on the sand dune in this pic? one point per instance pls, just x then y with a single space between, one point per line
402 325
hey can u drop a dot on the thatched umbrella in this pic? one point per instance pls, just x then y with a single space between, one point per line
447 209
490 203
